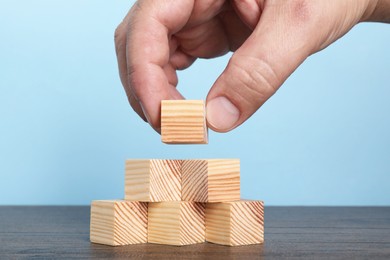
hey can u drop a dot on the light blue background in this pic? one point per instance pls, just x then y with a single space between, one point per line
66 127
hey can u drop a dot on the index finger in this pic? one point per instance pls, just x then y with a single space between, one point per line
151 25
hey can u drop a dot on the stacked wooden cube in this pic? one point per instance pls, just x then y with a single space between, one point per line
179 202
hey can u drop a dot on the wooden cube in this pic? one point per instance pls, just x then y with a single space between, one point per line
183 122
235 223
212 180
176 223
118 222
153 180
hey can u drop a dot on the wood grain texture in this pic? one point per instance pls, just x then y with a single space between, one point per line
183 122
153 180
176 223
62 232
118 222
211 180
235 223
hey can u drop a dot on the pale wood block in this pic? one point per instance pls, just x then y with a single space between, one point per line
118 222
235 223
176 223
183 122
153 180
211 180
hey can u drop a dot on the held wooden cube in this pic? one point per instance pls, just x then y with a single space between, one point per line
235 223
176 223
212 180
183 122
118 222
153 180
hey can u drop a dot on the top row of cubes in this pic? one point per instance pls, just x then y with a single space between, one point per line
208 180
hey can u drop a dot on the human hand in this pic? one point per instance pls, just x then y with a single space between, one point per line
270 39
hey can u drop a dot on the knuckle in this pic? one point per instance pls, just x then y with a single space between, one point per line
257 79
120 37
119 33
301 9
302 12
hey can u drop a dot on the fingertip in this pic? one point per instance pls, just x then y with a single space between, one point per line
222 115
153 122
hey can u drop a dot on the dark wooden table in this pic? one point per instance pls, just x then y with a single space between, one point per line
290 232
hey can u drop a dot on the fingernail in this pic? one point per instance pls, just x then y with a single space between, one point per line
148 120
222 115
147 117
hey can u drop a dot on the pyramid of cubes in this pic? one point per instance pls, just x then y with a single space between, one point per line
179 202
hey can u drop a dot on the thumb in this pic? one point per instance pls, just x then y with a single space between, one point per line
277 46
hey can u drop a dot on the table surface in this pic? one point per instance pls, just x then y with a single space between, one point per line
290 232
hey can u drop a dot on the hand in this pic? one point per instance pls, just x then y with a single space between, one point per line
270 39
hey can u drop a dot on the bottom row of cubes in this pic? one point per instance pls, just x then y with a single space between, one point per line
120 222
